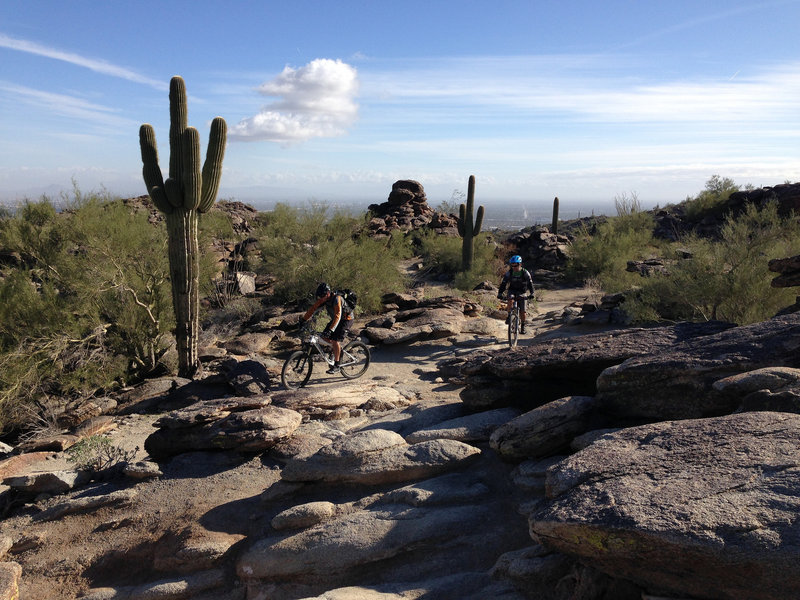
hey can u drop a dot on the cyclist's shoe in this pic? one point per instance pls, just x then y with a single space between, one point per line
507 320
334 368
522 328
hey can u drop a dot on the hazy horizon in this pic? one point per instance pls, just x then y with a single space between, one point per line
580 100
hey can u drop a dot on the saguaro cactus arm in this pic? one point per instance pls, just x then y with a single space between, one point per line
212 167
150 169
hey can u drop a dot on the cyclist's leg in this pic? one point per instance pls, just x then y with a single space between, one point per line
338 336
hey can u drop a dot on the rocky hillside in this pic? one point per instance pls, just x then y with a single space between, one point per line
594 461
589 462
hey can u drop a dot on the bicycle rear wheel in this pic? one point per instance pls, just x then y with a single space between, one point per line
513 327
355 360
296 370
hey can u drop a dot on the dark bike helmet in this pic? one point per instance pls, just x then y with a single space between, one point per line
323 289
515 260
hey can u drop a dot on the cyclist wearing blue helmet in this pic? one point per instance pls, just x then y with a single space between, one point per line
519 282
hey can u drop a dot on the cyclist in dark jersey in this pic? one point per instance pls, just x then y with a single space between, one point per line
519 282
340 323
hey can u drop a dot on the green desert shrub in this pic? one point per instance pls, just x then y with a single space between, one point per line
86 306
304 246
726 279
601 250
710 201
442 254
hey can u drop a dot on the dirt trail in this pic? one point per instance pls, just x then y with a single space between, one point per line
207 494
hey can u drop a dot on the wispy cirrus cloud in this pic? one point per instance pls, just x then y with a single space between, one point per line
65 105
98 66
579 88
316 100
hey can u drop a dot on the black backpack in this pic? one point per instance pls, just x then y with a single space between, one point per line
350 300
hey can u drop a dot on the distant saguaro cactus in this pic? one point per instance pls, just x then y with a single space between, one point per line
468 229
554 226
185 194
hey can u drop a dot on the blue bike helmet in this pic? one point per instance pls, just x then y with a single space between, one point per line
515 260
323 290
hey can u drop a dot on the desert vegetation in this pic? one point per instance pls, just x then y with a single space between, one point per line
86 298
719 277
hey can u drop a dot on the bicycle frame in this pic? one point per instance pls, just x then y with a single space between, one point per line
323 347
513 318
319 345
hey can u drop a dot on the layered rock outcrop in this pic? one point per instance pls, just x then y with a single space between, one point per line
704 508
529 376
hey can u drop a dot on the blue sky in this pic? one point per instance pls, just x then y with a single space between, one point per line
334 101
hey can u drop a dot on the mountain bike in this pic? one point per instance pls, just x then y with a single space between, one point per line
297 369
513 320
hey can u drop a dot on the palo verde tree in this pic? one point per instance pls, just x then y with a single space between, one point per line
185 194
467 228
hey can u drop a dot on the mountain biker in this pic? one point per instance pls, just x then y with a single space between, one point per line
518 281
339 325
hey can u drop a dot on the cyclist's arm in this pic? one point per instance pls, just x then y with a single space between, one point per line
310 312
503 285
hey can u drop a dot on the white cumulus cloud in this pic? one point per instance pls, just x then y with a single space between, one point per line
317 100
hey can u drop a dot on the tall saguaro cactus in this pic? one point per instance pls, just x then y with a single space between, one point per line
185 194
468 229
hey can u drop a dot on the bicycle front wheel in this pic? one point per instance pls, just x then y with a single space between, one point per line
513 327
355 360
296 370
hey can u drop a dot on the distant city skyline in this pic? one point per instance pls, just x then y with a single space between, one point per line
334 102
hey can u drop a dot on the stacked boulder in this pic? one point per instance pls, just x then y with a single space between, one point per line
545 254
406 209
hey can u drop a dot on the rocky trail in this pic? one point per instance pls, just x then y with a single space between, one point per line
592 462
182 525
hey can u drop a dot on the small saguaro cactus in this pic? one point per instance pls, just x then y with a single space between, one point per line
468 229
554 226
185 194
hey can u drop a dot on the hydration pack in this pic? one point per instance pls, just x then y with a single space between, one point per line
350 300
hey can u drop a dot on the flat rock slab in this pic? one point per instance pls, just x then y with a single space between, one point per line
705 508
352 395
20 464
352 541
545 430
246 431
379 456
677 383
477 427
210 411
531 375
75 505
49 482
167 589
